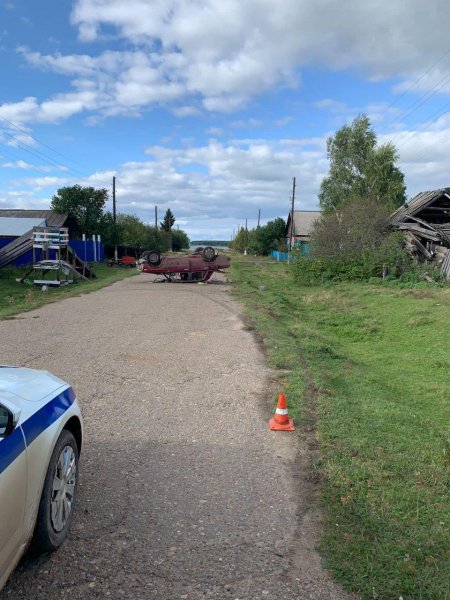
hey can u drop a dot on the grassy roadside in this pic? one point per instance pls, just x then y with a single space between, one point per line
16 298
372 363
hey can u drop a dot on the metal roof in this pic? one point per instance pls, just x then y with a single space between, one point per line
15 226
52 218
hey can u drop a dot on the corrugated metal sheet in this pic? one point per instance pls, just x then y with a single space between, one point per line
15 226
57 219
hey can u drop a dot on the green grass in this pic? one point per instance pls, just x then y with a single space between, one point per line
16 298
372 364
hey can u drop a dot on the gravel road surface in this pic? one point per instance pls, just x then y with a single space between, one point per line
184 492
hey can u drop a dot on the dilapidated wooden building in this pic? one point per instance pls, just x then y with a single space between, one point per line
426 222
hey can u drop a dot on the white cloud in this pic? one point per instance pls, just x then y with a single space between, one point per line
60 106
218 55
18 164
234 45
248 124
215 187
216 132
332 105
21 164
283 122
44 182
186 111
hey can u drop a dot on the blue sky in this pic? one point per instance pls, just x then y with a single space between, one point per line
211 107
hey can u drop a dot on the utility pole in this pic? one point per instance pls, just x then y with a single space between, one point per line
292 215
156 227
246 238
115 219
259 217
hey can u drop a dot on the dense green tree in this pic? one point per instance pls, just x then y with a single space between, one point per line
269 237
133 232
168 222
180 240
359 168
241 240
262 239
84 206
157 239
109 230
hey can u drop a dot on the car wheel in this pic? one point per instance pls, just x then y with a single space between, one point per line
208 254
58 496
153 257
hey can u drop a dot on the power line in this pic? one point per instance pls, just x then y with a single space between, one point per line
417 103
41 156
35 139
411 134
427 147
414 84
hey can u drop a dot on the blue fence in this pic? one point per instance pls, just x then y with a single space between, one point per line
88 250
302 247
280 256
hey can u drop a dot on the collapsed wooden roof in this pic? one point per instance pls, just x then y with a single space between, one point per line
426 222
433 207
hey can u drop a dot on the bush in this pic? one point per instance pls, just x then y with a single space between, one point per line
353 243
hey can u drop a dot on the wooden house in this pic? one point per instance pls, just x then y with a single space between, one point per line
298 230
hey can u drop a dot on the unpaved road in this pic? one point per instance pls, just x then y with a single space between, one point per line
184 492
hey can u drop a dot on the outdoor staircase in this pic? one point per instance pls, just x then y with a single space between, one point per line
80 266
24 244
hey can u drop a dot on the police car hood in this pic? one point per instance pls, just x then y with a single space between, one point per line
28 384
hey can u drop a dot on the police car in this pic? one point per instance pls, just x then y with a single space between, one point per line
40 441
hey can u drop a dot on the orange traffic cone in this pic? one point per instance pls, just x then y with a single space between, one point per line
281 421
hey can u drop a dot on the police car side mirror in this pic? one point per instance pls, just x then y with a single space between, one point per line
8 420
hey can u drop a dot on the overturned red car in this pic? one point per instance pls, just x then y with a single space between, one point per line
189 268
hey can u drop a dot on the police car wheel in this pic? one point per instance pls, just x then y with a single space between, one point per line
58 495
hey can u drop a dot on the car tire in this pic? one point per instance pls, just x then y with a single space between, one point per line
153 257
208 254
58 496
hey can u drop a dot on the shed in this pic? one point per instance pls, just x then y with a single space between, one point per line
432 207
425 221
